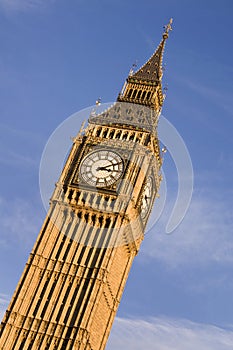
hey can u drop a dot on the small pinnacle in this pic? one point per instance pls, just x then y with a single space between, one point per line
98 102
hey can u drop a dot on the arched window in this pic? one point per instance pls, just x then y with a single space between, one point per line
131 136
93 218
107 223
124 137
70 194
86 217
98 199
147 140
139 137
134 93
77 195
148 95
111 134
130 93
105 133
98 132
91 198
143 95
101 219
118 135
139 93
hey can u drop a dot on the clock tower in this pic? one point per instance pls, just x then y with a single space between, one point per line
73 281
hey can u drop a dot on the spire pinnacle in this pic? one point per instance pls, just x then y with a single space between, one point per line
167 29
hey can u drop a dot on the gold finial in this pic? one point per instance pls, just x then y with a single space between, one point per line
167 29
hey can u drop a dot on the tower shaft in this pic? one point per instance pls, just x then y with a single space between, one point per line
69 292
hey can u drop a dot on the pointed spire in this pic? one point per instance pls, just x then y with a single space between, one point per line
144 87
141 89
152 70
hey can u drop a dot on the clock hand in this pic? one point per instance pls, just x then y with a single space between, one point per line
107 166
103 168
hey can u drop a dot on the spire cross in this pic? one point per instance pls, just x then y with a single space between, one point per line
168 28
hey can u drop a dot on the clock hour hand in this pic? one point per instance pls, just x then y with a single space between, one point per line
103 168
107 166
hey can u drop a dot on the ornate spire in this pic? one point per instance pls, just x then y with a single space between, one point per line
142 89
152 69
144 86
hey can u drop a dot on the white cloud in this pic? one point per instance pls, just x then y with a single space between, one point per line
23 5
167 334
204 236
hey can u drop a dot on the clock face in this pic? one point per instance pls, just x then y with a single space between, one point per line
101 168
147 197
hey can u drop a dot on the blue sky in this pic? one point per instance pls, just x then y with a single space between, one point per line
58 57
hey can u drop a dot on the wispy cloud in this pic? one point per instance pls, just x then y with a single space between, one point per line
19 222
19 133
4 299
214 94
204 236
16 159
24 5
164 334
15 149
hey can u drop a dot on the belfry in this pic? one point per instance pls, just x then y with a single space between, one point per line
71 287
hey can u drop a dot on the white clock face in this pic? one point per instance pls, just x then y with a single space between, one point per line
147 197
101 168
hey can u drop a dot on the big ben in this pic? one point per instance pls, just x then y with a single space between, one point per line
72 284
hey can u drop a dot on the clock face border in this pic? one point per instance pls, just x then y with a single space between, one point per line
147 199
101 168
